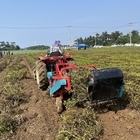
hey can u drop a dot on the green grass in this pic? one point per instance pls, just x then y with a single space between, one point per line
28 51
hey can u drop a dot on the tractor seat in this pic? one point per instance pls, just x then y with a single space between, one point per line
55 54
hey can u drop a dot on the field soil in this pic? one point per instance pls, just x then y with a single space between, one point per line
40 120
120 125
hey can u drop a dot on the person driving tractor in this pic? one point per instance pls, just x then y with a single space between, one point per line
56 47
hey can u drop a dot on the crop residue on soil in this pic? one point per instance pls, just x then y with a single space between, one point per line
40 121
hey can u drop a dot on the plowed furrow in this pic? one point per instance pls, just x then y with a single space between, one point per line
42 121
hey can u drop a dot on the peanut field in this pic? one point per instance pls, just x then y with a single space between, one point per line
26 112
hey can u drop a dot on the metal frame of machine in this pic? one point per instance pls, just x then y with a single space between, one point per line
102 81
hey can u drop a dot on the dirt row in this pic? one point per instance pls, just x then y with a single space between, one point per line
41 119
3 71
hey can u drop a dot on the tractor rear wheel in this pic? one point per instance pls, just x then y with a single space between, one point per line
34 70
41 78
59 105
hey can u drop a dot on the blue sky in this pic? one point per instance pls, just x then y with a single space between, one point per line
41 22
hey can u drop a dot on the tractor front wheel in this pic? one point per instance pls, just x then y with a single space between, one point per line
41 78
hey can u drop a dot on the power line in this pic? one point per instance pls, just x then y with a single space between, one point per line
87 27
4 27
15 27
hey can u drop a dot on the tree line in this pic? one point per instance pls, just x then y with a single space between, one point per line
37 47
108 39
105 39
8 46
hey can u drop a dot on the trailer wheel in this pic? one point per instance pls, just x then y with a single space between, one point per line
40 73
59 105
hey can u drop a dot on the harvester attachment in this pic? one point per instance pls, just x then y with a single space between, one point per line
56 72
105 85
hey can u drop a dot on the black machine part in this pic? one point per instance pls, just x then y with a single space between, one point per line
105 84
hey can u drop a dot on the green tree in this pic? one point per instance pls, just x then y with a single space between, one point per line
135 33
109 39
17 47
114 36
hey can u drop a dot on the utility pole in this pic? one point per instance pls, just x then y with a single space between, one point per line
130 33
69 35
95 40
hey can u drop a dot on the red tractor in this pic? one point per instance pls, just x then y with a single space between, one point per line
52 71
